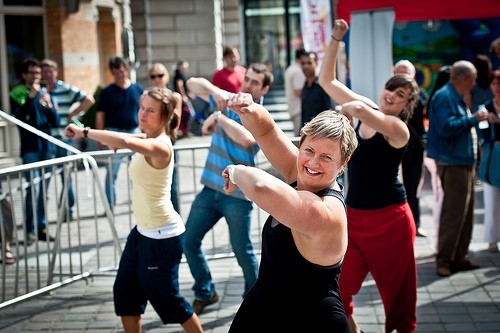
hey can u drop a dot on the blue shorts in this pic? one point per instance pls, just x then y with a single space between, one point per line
149 271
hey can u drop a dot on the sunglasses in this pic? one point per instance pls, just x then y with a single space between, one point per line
156 76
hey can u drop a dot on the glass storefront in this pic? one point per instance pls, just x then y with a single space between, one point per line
272 33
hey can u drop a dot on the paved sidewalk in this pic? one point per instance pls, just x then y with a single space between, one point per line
464 302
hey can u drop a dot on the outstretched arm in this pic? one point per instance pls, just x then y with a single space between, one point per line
319 224
151 147
354 105
203 88
278 148
233 129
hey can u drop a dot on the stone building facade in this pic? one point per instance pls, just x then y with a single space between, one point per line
81 36
197 30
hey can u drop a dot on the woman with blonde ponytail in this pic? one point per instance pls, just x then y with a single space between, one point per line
149 266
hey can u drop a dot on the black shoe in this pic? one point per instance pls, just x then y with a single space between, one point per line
199 305
43 236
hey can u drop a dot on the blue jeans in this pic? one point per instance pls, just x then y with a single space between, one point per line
115 167
61 152
39 199
111 184
208 208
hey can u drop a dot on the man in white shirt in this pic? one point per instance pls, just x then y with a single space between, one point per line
294 81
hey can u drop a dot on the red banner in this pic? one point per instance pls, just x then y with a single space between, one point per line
421 10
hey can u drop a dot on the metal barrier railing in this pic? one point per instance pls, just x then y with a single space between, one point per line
41 266
90 244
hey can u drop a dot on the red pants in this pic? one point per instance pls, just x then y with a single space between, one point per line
381 242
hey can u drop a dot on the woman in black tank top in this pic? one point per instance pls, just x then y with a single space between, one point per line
381 228
305 237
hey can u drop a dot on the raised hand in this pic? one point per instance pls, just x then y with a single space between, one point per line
340 28
229 186
240 102
220 100
73 131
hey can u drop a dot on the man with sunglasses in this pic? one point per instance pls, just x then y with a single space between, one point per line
117 111
34 106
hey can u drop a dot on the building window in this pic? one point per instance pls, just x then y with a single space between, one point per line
24 36
272 33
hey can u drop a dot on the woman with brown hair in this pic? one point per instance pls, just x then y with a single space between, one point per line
381 227
149 266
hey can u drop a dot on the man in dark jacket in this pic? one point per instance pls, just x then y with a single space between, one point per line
452 143
32 104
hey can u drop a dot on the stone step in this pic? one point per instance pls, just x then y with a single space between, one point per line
276 99
275 103
286 126
280 116
277 107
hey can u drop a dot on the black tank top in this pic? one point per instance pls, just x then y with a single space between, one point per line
373 174
291 294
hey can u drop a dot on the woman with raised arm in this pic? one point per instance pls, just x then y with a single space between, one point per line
381 228
149 265
305 237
